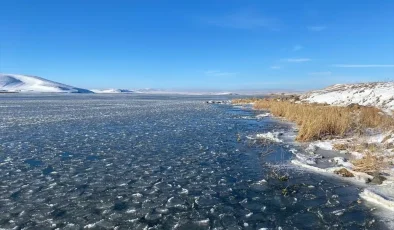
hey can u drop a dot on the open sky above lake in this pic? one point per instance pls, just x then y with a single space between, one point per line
223 45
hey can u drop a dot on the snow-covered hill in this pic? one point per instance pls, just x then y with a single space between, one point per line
378 94
24 83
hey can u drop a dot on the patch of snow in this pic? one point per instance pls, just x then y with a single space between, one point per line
309 167
310 160
358 176
293 150
377 199
339 212
271 136
311 148
378 138
377 94
325 145
93 225
340 161
390 140
203 222
263 115
24 83
357 155
261 182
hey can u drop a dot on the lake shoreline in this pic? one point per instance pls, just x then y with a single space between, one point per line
323 158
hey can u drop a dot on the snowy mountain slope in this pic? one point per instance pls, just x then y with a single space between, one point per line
378 94
24 83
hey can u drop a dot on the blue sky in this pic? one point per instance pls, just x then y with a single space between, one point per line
223 45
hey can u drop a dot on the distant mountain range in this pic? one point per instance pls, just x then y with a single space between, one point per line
31 84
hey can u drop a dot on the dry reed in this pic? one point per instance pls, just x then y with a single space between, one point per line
317 121
369 163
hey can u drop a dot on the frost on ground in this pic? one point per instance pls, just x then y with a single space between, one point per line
378 94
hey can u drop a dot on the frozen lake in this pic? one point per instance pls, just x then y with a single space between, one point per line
156 162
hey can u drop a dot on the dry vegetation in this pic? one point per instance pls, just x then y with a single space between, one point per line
372 161
319 121
369 163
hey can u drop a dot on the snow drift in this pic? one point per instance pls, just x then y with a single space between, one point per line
24 83
377 94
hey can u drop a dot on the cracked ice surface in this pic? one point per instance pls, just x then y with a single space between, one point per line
159 162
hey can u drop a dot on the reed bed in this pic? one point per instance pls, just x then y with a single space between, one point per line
319 121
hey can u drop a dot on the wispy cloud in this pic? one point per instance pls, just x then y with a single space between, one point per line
297 47
297 60
316 28
362 66
218 73
275 67
246 19
323 73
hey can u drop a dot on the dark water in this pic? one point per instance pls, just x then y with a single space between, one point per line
156 162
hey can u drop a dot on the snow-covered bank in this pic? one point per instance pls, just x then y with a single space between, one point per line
376 198
380 195
323 157
23 83
363 155
377 94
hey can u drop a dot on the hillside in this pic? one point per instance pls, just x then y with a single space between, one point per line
24 83
378 94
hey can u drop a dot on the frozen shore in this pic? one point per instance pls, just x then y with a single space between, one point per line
335 158
324 157
379 188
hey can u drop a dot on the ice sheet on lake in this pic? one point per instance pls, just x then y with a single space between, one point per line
135 162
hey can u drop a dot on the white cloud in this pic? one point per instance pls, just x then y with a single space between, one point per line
218 73
316 28
297 47
275 67
297 59
246 19
324 73
362 66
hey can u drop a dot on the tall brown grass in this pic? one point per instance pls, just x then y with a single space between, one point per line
317 121
369 163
